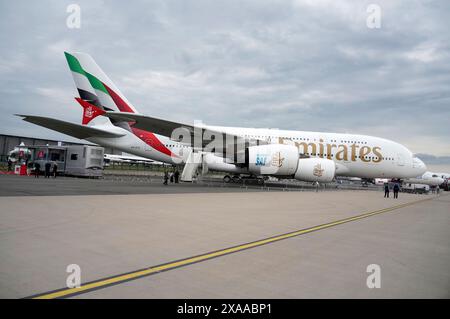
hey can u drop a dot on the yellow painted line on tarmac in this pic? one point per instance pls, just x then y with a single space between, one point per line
102 283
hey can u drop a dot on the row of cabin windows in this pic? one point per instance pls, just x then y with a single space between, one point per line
313 154
304 139
365 157
291 138
180 145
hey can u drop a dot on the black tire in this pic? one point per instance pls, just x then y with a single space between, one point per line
227 179
236 179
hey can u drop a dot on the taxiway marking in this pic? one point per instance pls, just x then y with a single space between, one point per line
105 282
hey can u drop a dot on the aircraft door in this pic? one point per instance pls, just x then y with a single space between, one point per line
400 160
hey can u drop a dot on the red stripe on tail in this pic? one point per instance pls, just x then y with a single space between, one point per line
121 104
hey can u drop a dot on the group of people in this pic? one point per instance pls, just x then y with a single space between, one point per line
50 169
173 176
396 189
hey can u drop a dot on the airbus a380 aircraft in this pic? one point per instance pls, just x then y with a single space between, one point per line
428 178
109 119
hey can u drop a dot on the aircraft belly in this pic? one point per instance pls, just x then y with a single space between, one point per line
133 145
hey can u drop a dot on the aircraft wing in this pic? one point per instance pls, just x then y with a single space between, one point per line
164 127
71 129
147 123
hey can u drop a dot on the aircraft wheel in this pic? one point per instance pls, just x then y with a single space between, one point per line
226 178
236 179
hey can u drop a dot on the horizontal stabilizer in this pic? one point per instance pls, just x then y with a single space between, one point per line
71 129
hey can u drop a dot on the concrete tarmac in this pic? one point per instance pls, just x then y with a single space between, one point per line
14 185
116 234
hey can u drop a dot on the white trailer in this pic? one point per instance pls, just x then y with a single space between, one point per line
415 188
75 160
84 160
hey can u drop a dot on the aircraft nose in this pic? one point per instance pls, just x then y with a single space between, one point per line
419 165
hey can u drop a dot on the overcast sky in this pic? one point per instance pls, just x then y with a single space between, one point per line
303 65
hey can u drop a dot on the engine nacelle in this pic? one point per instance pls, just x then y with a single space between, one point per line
217 163
273 159
315 170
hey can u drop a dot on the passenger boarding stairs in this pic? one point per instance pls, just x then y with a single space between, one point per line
190 170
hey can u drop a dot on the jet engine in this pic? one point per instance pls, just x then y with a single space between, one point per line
272 159
315 170
283 160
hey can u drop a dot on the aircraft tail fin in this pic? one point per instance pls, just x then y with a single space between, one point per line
94 86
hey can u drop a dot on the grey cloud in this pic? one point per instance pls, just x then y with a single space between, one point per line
309 65
434 160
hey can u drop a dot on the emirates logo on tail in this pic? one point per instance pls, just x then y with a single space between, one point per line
90 111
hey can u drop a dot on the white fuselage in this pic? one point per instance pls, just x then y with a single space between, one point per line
445 176
354 155
428 178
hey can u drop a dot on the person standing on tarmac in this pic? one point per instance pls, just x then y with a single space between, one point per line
386 190
37 170
47 167
55 169
166 177
396 189
176 175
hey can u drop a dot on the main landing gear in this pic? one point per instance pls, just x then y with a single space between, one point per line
243 178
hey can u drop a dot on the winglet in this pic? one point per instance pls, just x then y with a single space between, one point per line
90 111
